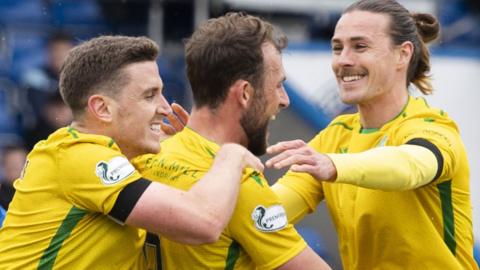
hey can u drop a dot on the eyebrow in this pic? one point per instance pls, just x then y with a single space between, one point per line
152 89
355 38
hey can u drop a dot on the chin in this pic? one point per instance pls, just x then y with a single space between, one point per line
349 99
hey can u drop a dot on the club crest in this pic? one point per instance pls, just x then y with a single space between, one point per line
114 171
269 219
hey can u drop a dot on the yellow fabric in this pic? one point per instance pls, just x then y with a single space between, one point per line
294 204
425 228
185 158
57 219
403 167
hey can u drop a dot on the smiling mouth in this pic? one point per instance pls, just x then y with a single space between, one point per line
155 128
352 78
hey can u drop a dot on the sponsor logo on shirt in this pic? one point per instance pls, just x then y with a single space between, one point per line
269 219
114 171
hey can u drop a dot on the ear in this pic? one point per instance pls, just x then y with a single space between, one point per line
405 53
243 92
100 107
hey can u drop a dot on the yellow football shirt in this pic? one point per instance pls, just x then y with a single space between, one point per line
58 216
425 228
257 237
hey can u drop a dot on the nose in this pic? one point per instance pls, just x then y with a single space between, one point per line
344 58
284 99
163 107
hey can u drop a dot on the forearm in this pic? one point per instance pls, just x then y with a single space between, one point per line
307 259
199 215
215 195
387 168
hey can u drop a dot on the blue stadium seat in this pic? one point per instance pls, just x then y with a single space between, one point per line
10 114
76 12
2 215
31 12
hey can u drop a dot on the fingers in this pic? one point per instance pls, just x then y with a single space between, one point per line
253 162
274 161
297 158
175 122
168 129
306 168
181 113
283 146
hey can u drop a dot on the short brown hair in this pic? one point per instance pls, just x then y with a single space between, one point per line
96 66
418 28
224 50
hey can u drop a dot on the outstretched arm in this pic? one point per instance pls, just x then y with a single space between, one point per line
387 168
300 157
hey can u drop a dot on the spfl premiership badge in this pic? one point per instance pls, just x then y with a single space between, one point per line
269 219
114 171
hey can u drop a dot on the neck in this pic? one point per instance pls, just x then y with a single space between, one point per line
221 125
88 129
377 112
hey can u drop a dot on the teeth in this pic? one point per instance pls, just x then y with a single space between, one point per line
155 127
352 78
273 117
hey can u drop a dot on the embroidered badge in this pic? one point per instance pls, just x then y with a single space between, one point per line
114 171
269 219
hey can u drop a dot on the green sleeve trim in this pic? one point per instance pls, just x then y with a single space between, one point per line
50 254
233 255
429 119
445 190
256 177
72 132
368 130
111 142
210 152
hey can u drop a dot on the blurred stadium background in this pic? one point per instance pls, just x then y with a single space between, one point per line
25 26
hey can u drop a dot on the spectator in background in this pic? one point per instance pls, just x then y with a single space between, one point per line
42 91
54 115
13 159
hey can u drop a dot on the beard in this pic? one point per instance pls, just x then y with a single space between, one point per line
255 128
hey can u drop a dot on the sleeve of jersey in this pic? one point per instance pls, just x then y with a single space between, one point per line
259 224
441 138
293 186
388 168
100 180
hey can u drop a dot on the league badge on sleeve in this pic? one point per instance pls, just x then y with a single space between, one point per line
114 171
269 219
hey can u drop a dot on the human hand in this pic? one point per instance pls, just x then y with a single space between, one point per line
177 120
301 158
232 150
